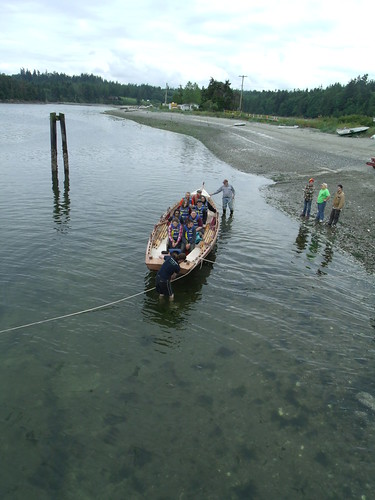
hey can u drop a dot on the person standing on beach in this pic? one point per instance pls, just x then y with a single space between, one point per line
228 196
337 205
308 194
323 196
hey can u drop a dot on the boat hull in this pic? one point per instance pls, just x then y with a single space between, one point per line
351 131
157 242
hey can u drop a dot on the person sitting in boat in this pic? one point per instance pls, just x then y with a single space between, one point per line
185 210
198 224
197 221
189 237
187 197
176 215
207 204
196 197
175 229
201 211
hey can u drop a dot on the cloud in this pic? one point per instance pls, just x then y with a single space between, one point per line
302 44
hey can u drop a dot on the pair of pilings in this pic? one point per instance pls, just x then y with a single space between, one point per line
61 118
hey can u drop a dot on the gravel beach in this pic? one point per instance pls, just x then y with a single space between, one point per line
289 157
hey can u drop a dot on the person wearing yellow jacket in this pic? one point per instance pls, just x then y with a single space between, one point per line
337 205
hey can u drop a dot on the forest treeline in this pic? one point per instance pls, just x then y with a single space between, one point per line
85 89
355 98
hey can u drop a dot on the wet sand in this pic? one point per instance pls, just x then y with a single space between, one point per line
290 156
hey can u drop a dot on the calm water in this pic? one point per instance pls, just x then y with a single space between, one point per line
247 386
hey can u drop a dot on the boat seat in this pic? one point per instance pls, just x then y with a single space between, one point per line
193 254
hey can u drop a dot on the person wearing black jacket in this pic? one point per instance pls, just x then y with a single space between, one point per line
170 268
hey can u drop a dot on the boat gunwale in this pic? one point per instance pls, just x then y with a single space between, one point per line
186 266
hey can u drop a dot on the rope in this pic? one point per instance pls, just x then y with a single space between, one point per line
109 304
92 309
97 308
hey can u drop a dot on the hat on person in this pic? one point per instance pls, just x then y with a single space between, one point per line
311 180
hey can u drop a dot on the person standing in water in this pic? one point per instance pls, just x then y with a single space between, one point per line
228 196
170 268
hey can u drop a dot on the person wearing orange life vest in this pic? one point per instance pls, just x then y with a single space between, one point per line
196 197
187 197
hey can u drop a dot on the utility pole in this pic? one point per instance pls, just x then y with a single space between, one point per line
166 93
241 76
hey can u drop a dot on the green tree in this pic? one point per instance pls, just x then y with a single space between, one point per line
218 96
192 94
178 96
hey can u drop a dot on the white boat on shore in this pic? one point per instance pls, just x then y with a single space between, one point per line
351 131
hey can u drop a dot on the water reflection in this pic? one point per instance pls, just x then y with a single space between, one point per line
327 253
315 242
301 240
225 228
61 206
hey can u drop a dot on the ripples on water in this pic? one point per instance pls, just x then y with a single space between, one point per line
245 387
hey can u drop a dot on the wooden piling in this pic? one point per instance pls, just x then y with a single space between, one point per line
52 119
64 143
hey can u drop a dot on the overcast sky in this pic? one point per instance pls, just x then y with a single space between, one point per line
277 45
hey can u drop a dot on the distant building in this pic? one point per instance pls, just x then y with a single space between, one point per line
183 107
188 107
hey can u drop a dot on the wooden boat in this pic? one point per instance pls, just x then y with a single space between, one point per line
351 131
157 242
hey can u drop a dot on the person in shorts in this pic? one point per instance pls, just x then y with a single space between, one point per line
169 268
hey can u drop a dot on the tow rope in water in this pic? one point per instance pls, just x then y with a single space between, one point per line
75 313
109 304
91 309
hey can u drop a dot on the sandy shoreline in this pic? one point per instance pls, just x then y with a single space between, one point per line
289 157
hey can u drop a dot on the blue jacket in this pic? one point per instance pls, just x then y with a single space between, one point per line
189 235
169 267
